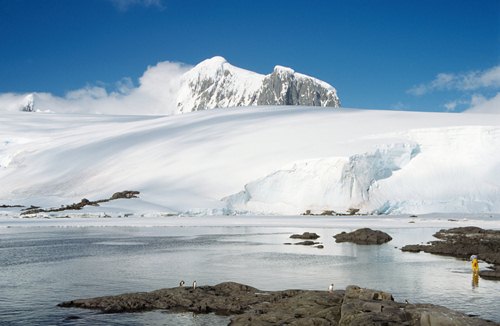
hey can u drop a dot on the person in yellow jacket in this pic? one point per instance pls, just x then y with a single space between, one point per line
475 264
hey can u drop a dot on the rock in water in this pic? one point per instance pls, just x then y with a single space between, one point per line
364 236
305 236
250 306
463 242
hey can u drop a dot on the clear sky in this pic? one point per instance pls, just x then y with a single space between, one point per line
386 54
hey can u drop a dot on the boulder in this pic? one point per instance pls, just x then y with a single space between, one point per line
363 236
305 236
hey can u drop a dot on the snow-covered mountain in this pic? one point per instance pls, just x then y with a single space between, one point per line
270 160
10 102
172 88
215 83
28 104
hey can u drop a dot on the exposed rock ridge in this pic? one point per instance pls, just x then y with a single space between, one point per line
126 194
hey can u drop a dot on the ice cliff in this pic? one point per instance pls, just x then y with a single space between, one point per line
328 184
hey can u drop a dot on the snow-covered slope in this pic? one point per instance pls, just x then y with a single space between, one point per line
281 160
215 83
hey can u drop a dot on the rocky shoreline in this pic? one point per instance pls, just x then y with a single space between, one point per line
463 242
249 306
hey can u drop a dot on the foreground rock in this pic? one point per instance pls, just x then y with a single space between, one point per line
364 236
250 306
462 243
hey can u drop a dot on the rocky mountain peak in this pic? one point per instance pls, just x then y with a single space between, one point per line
215 83
28 103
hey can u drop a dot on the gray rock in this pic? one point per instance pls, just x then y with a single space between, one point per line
305 236
282 87
463 242
306 243
363 236
250 306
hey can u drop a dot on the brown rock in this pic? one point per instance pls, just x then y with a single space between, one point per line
305 236
364 236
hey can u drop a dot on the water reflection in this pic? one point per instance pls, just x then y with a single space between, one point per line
475 280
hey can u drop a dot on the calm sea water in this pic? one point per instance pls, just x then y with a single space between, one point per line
42 266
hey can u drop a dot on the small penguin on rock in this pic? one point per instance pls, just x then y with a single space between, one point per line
181 284
194 285
330 288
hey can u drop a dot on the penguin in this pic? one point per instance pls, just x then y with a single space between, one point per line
330 288
194 285
181 284
406 301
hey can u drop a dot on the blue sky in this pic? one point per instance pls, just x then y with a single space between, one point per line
410 55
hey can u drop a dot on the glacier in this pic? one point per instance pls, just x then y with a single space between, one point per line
263 159
327 184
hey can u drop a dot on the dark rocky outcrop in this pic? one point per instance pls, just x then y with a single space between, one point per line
285 87
250 306
463 242
305 236
306 243
127 194
363 236
491 274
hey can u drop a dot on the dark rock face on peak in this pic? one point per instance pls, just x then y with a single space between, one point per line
29 104
285 87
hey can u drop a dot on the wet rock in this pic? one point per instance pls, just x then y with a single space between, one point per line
491 274
306 243
364 236
249 306
463 242
305 236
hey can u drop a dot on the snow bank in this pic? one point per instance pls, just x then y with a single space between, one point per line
456 170
290 158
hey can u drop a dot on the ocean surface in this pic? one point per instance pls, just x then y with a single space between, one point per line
43 263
